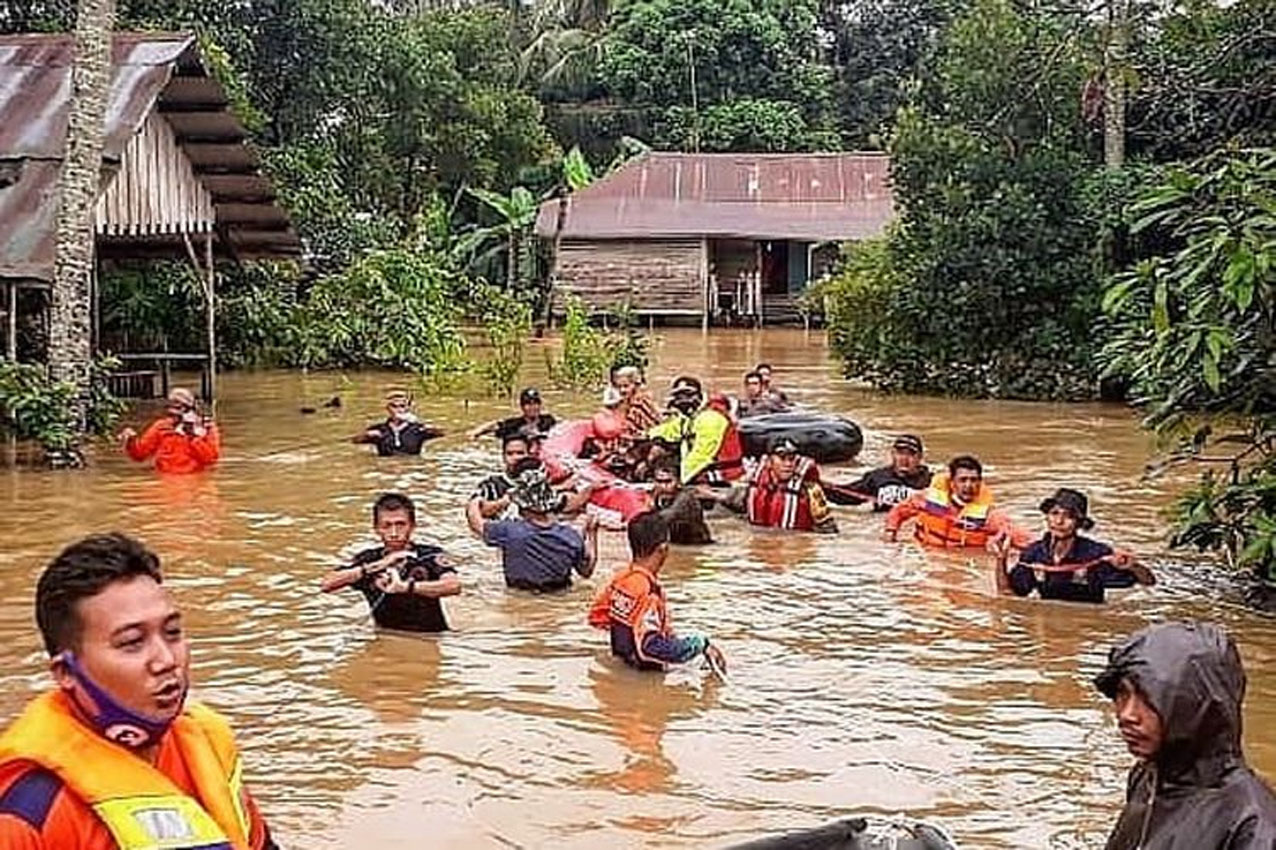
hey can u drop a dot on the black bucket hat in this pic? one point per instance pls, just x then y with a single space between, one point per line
1073 501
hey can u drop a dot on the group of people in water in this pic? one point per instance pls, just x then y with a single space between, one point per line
114 755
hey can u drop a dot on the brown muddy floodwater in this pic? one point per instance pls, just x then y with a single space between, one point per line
866 677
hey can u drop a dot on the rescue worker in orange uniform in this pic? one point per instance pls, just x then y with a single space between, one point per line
632 607
114 756
181 442
783 491
957 511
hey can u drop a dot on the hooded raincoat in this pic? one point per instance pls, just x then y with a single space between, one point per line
1198 793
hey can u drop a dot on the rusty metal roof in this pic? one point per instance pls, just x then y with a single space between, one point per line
803 197
149 71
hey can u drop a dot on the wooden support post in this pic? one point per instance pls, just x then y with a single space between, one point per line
210 292
11 350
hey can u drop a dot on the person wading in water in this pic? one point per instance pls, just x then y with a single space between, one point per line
956 511
182 441
887 486
538 552
533 418
1043 566
1176 690
402 580
632 606
402 433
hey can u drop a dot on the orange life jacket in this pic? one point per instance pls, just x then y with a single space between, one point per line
944 524
140 806
633 600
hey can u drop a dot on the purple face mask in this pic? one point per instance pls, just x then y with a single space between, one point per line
112 720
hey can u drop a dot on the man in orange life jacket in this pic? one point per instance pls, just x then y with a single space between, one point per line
632 607
956 511
783 491
115 756
182 441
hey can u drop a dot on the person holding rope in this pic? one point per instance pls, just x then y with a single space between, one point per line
115 754
402 580
887 486
957 510
1063 564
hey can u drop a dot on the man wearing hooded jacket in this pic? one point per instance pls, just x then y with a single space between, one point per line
1177 690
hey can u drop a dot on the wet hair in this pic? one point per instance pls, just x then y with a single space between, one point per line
516 438
390 502
667 463
748 376
758 368
965 462
81 571
647 532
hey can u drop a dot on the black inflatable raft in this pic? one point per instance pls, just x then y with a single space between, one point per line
854 834
824 438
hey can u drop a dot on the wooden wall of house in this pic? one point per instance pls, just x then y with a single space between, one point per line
656 275
155 189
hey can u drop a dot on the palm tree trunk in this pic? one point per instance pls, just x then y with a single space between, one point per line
70 334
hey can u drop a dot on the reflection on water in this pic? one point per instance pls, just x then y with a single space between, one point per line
865 676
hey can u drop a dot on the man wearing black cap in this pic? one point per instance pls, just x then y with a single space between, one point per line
533 419
1063 564
1177 691
702 432
783 491
887 486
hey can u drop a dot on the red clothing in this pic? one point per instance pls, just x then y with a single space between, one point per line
175 452
797 504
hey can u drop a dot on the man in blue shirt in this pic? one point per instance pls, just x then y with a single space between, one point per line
538 552
1066 566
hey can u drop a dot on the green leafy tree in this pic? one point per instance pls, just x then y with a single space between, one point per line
753 62
987 277
1192 333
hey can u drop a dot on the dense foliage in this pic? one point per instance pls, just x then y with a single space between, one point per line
35 408
1008 222
1192 331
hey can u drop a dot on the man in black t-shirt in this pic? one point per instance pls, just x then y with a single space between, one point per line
887 486
534 419
401 433
493 493
402 580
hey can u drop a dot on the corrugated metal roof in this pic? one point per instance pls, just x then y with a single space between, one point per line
149 70
806 197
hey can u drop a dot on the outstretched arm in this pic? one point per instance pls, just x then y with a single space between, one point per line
901 514
141 448
484 429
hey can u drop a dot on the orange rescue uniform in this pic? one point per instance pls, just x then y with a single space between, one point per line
944 523
174 451
64 786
